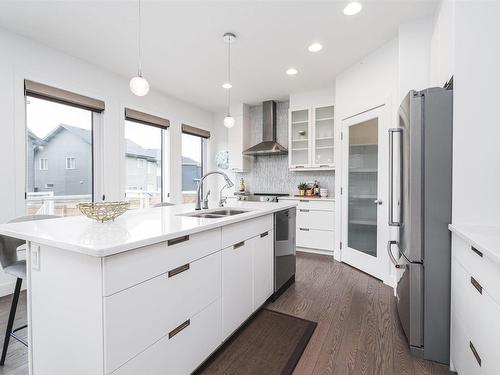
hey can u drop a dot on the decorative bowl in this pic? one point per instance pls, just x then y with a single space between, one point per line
103 211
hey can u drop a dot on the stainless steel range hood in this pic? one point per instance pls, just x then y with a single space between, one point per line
268 146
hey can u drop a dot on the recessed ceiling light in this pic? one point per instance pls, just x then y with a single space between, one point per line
226 85
352 8
292 71
315 47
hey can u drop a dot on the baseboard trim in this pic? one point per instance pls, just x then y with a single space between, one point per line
315 251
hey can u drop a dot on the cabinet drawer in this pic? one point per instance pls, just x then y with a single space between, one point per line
315 239
310 204
322 220
478 314
462 352
182 352
486 272
132 267
139 316
235 233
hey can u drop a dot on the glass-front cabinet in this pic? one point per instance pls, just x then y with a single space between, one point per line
322 147
311 138
299 138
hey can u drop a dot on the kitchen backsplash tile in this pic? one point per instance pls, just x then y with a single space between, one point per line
271 173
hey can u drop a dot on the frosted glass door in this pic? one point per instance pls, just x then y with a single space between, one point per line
362 185
299 137
323 136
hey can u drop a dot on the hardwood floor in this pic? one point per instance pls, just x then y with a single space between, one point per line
358 329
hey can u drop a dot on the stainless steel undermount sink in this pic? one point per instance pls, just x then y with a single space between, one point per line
215 214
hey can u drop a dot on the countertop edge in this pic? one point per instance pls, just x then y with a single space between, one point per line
463 232
121 248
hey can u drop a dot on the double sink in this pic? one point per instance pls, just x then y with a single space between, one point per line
215 214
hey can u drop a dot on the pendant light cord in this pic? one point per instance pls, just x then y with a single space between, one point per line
139 40
229 76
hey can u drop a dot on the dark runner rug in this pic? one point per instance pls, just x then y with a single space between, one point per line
270 343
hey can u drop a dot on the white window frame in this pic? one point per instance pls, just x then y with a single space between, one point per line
71 164
141 163
41 163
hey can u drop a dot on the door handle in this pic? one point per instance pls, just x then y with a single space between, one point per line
391 255
392 223
377 201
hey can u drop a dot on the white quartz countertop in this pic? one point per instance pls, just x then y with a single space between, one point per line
135 228
484 238
305 197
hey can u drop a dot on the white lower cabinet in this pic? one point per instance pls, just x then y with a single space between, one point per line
141 315
315 224
263 282
237 284
475 325
181 351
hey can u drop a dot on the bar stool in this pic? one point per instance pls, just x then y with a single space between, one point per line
17 268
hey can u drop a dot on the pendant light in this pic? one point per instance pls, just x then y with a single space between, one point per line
138 85
229 120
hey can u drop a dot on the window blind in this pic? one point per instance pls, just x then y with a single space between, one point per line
54 94
145 118
188 129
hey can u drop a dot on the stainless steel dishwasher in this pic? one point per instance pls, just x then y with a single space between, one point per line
284 250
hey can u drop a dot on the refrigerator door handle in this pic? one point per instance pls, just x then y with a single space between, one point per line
392 223
391 255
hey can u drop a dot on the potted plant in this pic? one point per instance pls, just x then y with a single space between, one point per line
302 188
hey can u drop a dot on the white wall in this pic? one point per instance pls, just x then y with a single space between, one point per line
442 59
414 40
476 157
23 58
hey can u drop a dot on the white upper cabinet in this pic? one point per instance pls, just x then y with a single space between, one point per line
311 130
238 140
322 141
299 138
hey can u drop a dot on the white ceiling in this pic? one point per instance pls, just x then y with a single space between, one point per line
183 51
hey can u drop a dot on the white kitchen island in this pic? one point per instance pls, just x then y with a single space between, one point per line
154 292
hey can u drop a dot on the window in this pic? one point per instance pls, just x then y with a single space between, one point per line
193 157
53 131
70 163
141 163
44 164
144 139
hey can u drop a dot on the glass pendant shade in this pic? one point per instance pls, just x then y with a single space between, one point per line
229 121
139 86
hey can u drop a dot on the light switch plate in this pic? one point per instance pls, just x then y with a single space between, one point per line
35 257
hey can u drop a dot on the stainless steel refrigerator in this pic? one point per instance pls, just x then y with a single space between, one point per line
420 173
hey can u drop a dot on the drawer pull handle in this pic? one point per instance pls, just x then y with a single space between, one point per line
239 244
175 241
324 166
476 251
179 328
304 210
178 270
478 286
264 234
304 200
304 229
476 354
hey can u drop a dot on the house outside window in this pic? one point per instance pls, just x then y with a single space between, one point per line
144 150
70 163
141 163
44 164
194 141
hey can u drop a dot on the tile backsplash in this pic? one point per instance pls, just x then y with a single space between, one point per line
270 174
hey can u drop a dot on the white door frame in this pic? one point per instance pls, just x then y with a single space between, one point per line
378 267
